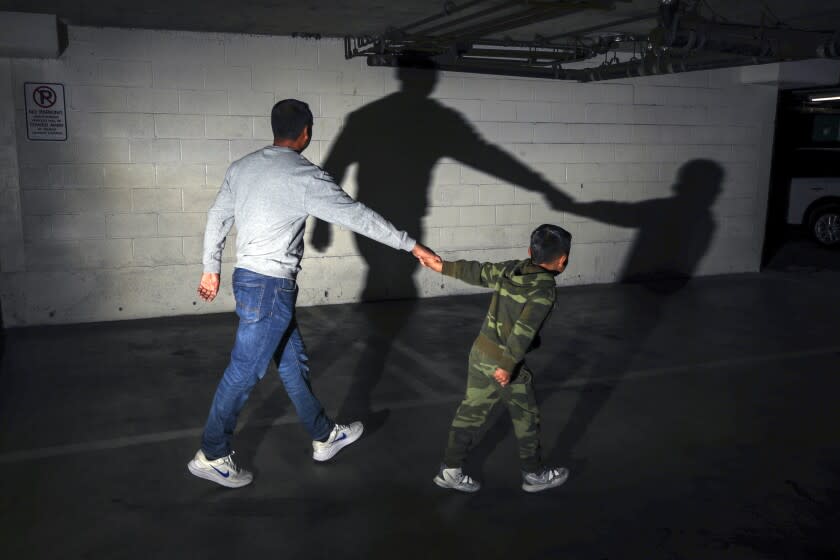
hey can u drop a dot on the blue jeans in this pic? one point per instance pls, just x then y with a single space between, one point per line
267 326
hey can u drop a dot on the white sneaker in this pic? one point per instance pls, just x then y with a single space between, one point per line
340 437
221 471
544 479
456 480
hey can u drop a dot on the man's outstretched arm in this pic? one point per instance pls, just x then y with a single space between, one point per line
328 202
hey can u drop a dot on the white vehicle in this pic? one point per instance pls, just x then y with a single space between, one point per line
815 203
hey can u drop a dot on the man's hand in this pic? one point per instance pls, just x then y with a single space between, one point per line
209 286
435 263
424 254
502 376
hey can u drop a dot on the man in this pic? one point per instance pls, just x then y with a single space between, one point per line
269 194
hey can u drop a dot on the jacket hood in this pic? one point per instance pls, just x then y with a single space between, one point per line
527 274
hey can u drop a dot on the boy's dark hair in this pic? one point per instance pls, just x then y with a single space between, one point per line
549 242
289 118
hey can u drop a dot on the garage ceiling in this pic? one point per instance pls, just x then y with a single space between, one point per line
338 18
555 34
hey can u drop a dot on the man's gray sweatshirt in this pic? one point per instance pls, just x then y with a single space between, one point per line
269 195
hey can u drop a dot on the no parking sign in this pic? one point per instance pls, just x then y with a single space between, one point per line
46 117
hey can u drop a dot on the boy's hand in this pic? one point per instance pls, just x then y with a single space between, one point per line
502 376
209 286
427 257
435 264
422 252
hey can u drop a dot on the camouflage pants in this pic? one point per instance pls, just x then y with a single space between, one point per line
483 392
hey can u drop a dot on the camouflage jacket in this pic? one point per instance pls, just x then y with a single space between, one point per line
523 297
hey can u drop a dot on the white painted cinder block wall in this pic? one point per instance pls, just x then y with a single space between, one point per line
109 224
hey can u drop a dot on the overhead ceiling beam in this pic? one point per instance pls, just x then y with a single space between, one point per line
682 41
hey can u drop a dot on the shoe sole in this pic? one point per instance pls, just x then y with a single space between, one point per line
201 473
336 448
534 488
443 484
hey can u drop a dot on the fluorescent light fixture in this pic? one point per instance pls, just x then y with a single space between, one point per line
827 98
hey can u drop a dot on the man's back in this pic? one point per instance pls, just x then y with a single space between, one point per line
269 195
267 189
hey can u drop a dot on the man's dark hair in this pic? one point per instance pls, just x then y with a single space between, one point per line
548 242
289 118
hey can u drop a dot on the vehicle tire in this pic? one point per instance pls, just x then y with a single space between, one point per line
824 225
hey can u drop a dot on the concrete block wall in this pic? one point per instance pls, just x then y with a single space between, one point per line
114 216
11 226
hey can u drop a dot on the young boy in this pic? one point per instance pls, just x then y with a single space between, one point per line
524 294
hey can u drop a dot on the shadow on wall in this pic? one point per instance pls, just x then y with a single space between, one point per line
673 235
396 142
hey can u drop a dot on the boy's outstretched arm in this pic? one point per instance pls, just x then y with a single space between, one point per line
435 263
471 272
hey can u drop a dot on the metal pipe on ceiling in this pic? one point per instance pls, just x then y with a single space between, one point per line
681 42
661 66
782 44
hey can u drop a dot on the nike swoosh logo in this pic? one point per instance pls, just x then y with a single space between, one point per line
224 474
343 436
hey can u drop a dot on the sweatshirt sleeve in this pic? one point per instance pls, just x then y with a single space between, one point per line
327 201
219 222
474 272
526 328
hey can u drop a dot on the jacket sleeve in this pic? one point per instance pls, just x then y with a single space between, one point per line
474 272
327 201
219 223
526 328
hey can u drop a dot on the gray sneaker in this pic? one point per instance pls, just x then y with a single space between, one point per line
456 480
341 436
544 479
221 471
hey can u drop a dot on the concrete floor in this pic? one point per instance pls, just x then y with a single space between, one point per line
699 422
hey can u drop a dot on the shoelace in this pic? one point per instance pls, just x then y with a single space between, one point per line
465 479
230 464
547 474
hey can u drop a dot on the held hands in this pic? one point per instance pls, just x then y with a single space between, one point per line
502 376
427 257
209 286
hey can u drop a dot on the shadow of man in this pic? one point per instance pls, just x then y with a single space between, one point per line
673 235
395 143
